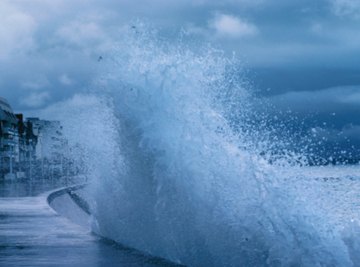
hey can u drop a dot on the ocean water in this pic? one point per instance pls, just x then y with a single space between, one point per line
181 165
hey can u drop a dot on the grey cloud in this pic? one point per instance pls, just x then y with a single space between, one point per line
65 80
337 95
61 40
17 29
36 83
232 26
347 8
35 99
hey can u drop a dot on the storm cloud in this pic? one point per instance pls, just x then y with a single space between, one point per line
49 50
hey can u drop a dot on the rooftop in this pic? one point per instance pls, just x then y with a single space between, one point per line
4 104
6 112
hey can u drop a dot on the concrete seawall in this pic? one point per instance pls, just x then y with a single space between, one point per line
33 234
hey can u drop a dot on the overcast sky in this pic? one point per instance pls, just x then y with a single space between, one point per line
49 50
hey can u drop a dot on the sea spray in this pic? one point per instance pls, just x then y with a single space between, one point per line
176 171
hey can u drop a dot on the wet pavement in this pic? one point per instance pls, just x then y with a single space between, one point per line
33 234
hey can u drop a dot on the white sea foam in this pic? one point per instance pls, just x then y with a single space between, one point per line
176 170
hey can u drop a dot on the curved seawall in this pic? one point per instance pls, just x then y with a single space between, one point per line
70 203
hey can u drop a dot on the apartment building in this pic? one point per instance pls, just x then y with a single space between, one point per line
30 146
9 140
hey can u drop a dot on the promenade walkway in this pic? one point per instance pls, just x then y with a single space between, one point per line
33 234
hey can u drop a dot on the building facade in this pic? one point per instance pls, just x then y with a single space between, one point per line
27 147
30 147
50 140
9 140
51 147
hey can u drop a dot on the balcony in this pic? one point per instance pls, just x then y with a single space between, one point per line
9 142
8 154
9 130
